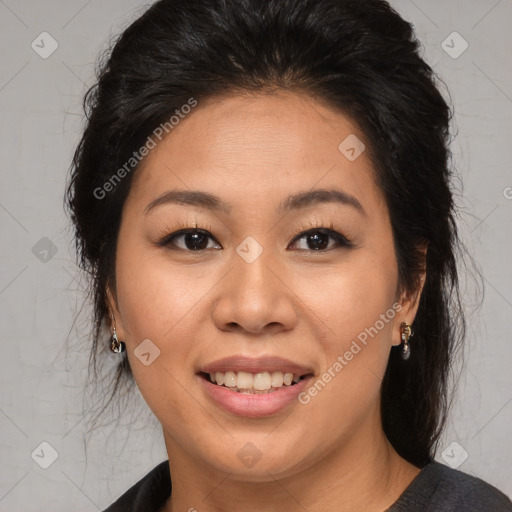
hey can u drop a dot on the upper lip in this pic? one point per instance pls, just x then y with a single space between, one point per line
240 363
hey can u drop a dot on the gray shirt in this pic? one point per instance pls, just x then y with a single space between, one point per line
440 488
437 488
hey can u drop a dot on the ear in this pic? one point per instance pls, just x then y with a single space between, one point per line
115 316
409 301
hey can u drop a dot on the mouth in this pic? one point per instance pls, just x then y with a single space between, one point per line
259 383
254 387
238 393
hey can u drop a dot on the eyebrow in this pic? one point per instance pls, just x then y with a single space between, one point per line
295 201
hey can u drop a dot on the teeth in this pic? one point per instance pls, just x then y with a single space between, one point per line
230 379
254 382
244 380
261 381
277 379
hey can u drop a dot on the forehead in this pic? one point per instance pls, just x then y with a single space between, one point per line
257 149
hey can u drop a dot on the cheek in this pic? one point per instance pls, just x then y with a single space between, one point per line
155 296
156 302
357 306
350 298
366 296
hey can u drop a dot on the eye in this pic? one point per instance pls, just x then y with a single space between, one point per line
192 239
318 239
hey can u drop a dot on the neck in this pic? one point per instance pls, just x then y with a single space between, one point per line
361 473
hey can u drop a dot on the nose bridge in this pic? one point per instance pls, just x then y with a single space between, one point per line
253 297
252 273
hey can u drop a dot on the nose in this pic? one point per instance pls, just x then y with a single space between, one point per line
255 298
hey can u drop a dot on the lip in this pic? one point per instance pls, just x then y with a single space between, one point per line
240 363
253 405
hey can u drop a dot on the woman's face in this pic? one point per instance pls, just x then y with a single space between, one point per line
252 284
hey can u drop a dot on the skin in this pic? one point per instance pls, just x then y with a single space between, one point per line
306 305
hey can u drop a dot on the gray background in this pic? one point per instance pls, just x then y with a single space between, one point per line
44 355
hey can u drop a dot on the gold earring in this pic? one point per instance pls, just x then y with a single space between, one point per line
405 334
116 345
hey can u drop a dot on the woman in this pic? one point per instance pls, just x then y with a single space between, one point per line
262 195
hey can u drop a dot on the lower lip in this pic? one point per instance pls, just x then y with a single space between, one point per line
254 405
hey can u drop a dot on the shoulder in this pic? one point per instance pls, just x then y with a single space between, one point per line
441 488
471 491
148 494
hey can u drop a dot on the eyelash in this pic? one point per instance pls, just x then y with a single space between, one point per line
341 240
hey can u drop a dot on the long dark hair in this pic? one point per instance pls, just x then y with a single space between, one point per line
359 57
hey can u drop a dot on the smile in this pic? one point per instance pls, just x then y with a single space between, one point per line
254 383
248 401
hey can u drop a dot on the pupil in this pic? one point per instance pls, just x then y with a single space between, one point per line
315 237
195 239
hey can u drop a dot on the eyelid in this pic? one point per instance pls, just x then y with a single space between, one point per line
178 227
166 240
316 227
342 240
